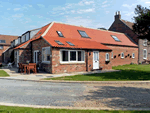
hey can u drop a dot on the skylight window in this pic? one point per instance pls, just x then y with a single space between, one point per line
71 44
83 34
58 42
60 33
2 41
115 38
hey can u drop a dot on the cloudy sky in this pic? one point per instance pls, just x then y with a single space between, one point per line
19 16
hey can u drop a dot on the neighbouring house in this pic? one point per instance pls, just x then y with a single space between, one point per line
60 48
123 26
5 42
10 53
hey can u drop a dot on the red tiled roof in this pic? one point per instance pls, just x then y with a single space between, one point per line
71 34
84 44
8 39
37 36
101 36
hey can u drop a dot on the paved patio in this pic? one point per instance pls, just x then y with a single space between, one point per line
13 72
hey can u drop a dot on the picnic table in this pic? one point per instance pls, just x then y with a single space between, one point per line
27 67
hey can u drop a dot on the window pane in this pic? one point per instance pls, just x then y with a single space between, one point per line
107 56
60 33
115 38
95 56
37 57
72 55
64 55
83 34
82 55
79 55
44 54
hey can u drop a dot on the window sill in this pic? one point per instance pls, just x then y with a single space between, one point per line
122 57
72 62
145 58
46 62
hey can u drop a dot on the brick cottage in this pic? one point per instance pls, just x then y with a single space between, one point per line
123 26
5 41
61 48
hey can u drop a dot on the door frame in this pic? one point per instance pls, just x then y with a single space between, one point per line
17 57
35 51
97 60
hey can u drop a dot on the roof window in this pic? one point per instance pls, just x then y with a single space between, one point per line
60 33
58 42
71 44
2 41
83 34
115 38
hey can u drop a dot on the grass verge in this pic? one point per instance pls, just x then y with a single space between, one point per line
127 73
9 109
3 73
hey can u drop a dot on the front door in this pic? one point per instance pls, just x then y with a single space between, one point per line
36 56
95 60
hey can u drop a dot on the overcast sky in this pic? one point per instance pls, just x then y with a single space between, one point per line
19 16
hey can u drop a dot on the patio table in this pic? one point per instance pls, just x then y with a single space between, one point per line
25 67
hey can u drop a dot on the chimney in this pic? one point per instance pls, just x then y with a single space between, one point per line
117 16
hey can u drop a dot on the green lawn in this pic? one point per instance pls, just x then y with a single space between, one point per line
127 73
5 109
3 74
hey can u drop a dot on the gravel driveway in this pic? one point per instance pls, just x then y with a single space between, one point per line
116 96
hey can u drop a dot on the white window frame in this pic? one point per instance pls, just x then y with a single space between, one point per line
112 56
145 42
18 40
66 62
133 56
106 56
46 53
122 54
143 53
27 35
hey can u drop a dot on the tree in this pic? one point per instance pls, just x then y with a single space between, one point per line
142 22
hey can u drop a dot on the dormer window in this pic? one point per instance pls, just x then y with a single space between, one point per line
60 33
83 34
115 38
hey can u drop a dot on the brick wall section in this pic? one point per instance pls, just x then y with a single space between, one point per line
141 47
1 51
57 67
119 26
7 55
126 60
102 60
64 68
38 45
24 55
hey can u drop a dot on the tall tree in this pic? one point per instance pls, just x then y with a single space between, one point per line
142 22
